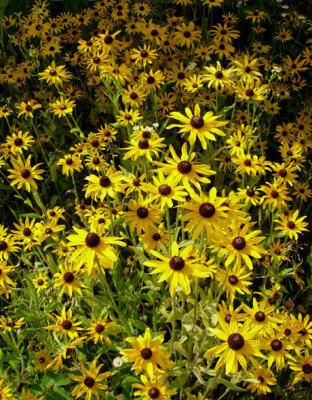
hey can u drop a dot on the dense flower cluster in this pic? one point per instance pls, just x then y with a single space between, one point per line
155 160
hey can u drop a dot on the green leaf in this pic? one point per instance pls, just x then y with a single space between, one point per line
48 380
62 380
230 385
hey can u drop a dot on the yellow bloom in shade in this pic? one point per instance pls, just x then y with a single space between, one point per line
265 379
8 245
277 347
129 117
19 142
28 108
8 324
4 271
64 354
302 366
62 107
147 354
292 225
54 75
24 175
235 280
141 217
185 168
202 127
41 360
5 391
275 195
239 344
89 381
153 236
101 186
70 163
67 278
90 246
166 190
206 212
153 388
143 55
177 268
30 396
144 147
65 324
97 331
25 232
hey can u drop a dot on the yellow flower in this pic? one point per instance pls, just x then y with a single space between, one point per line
19 142
292 225
147 354
100 187
89 382
265 379
40 281
129 117
144 55
177 268
90 246
70 163
144 147
54 75
28 108
62 107
24 174
97 331
239 344
303 366
67 278
153 388
65 324
202 127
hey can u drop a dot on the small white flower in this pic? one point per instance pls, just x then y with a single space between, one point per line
136 127
117 362
283 15
191 66
302 17
285 6
155 124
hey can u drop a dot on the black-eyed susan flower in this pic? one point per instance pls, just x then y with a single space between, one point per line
5 391
153 388
177 268
42 359
199 127
19 142
261 314
28 108
129 117
65 324
275 195
153 236
186 168
166 190
89 247
302 191
90 381
187 35
236 279
70 163
25 175
64 353
264 378
147 353
9 324
98 329
55 75
4 271
144 55
292 225
302 365
278 348
26 232
206 212
217 76
8 244
239 344
144 147
40 281
68 279
141 216
48 229
99 187
62 107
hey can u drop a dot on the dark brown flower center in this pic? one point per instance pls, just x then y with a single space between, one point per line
239 243
63 107
236 341
219 75
259 316
41 360
68 277
287 332
181 75
274 194
142 212
184 167
227 318
282 173
18 142
250 192
164 190
26 232
144 53
96 60
92 239
143 144
69 161
25 173
67 324
96 160
48 231
3 245
99 328
150 80
136 182
154 32
276 345
249 92
197 121
233 280
40 282
177 263
307 368
146 353
207 210
291 225
187 34
52 72
105 181
108 39
156 236
247 163
260 379
153 393
89 381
